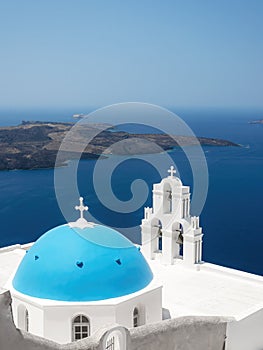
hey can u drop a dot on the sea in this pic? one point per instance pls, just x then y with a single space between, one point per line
231 217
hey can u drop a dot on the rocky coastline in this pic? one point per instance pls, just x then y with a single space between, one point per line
34 145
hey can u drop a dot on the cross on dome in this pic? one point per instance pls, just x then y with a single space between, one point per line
172 171
81 222
81 207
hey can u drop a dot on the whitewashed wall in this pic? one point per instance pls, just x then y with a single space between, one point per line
58 320
246 334
34 312
149 306
55 322
195 333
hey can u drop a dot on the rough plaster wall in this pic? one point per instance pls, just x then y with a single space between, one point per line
14 339
184 333
187 333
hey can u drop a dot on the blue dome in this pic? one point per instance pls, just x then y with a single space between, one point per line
73 264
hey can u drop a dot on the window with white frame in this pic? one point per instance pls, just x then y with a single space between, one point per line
80 327
135 317
26 321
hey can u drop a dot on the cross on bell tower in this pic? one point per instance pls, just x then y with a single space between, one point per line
81 208
172 171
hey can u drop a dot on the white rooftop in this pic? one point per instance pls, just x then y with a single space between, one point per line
10 258
213 290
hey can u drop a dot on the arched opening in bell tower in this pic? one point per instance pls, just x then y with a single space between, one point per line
178 240
157 235
160 239
167 199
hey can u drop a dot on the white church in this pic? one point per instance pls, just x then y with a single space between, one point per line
80 277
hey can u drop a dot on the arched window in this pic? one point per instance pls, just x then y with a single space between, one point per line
136 317
22 318
80 327
26 321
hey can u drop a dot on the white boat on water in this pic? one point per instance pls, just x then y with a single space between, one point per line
79 116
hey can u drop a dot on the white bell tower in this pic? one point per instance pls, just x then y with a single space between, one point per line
168 231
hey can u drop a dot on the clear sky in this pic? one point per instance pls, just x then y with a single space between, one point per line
96 52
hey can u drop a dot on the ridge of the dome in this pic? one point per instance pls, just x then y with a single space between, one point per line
81 223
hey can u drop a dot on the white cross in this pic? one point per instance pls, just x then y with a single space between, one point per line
172 171
81 207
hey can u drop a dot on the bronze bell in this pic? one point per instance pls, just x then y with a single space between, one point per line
180 238
169 195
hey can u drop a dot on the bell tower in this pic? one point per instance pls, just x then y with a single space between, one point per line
168 231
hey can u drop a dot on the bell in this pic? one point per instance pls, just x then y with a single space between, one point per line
169 195
180 239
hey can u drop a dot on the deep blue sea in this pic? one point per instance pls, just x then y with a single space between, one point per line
231 218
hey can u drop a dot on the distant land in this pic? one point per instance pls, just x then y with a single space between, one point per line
260 121
34 145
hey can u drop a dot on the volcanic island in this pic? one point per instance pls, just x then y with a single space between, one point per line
35 145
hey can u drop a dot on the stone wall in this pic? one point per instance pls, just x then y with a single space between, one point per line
193 333
186 333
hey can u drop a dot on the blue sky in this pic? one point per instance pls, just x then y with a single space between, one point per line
92 53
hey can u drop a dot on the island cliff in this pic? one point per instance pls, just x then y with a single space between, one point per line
34 145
